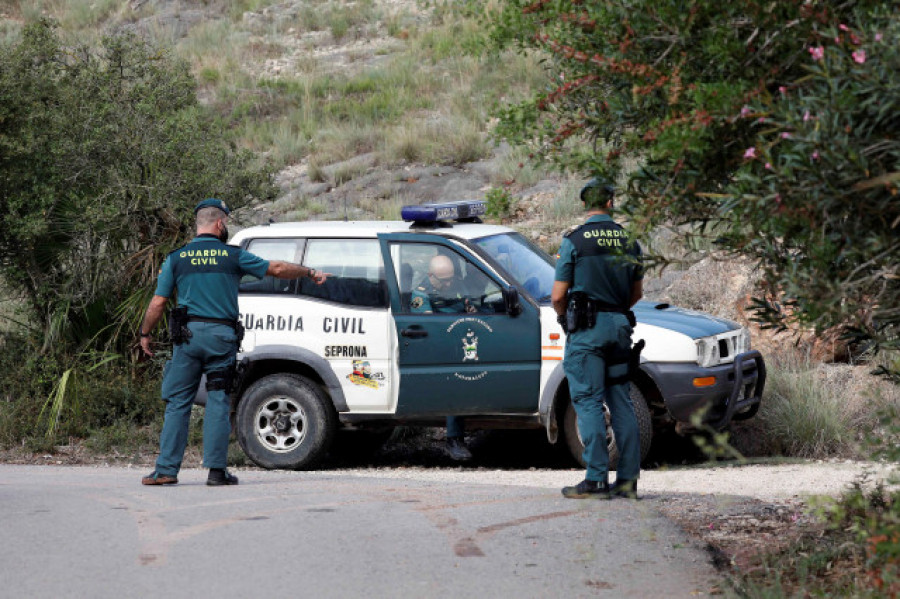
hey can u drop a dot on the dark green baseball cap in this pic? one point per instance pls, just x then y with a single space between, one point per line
212 203
597 192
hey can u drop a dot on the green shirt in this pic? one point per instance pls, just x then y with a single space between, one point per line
207 273
600 259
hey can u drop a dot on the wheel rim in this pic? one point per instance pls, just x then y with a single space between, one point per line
281 424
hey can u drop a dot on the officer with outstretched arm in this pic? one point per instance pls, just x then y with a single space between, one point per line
598 279
206 333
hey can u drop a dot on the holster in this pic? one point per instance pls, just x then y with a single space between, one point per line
178 325
239 330
578 312
633 358
228 379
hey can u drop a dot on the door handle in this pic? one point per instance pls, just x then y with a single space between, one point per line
413 333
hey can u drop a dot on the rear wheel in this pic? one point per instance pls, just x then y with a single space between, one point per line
645 430
285 421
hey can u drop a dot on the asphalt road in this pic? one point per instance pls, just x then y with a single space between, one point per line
96 532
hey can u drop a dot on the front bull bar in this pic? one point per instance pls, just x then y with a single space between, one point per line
747 391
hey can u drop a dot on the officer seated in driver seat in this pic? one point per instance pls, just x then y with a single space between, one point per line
441 292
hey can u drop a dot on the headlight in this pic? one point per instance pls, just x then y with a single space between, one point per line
742 343
707 351
721 349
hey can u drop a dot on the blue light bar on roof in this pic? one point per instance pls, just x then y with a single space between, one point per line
443 211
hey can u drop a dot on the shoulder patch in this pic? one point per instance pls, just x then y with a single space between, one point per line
176 250
416 302
571 230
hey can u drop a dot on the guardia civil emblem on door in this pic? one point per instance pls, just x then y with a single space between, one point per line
470 346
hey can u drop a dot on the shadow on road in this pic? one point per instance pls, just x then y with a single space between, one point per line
494 449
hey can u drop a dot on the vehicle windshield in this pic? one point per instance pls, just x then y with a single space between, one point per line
525 262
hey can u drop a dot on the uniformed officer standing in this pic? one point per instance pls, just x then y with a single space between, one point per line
206 273
440 293
598 279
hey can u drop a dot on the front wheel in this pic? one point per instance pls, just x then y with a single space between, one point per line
285 421
645 430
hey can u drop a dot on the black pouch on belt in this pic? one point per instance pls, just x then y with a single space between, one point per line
178 329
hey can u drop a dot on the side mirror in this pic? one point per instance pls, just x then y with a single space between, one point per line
511 297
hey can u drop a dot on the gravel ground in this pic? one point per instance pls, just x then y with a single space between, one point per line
762 482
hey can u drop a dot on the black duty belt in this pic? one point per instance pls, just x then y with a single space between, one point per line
599 306
231 323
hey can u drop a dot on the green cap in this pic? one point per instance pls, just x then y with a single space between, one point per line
597 192
212 203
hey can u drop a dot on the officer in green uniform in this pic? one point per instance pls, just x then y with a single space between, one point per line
599 270
206 273
440 293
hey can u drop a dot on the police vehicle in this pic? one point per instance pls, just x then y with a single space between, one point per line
354 353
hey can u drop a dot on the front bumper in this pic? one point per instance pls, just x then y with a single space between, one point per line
735 395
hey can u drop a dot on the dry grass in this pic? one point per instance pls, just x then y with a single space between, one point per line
816 410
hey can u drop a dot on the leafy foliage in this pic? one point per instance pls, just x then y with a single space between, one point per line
726 117
499 202
103 154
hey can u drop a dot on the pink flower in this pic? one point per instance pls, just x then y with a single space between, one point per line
817 52
782 90
837 40
815 155
768 166
806 116
878 37
761 120
843 27
778 198
745 111
859 56
750 153
785 135
854 39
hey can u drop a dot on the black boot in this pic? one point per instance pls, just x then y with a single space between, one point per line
220 476
588 488
624 488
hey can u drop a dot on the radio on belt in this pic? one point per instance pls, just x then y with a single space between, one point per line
464 210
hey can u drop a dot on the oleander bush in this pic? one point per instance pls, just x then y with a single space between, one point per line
771 128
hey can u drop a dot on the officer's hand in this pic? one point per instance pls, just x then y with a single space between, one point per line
470 307
320 277
145 345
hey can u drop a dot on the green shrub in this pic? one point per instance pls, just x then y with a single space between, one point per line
499 202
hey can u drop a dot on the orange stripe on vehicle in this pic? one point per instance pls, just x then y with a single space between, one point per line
551 357
551 347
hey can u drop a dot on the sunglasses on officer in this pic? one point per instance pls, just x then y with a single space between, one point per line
442 280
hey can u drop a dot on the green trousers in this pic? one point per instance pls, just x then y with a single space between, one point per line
211 349
586 366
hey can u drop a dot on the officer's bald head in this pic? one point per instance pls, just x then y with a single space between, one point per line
441 270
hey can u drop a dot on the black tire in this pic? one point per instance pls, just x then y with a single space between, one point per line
645 430
285 421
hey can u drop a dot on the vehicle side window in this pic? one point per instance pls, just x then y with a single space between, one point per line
355 268
286 250
457 286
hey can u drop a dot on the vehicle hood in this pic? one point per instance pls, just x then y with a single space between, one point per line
687 322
